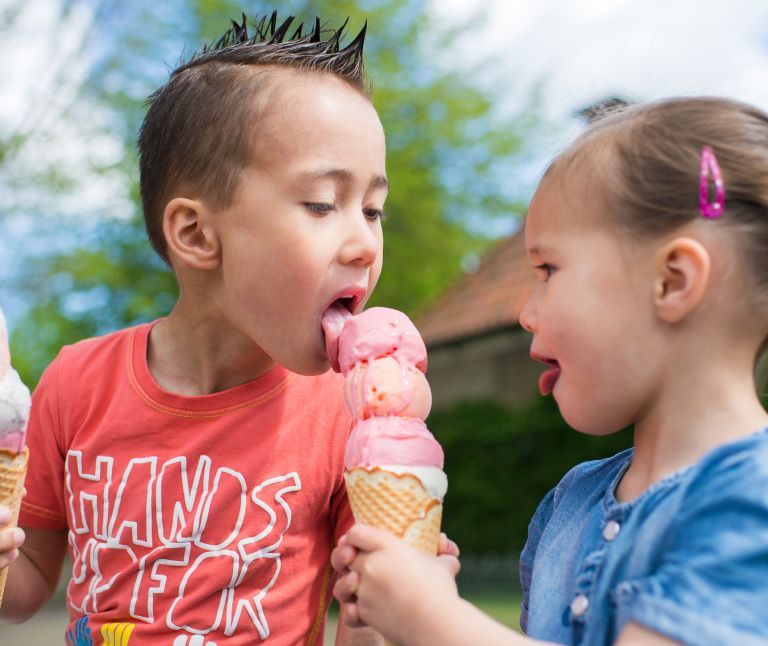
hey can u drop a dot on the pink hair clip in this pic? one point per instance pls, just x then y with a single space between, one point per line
709 164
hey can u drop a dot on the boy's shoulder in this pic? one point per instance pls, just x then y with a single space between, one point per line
94 350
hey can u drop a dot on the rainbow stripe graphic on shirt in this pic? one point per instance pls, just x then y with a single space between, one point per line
117 634
80 635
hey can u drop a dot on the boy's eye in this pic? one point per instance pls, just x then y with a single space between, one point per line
544 270
319 207
374 214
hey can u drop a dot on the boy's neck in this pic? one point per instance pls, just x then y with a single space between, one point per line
192 355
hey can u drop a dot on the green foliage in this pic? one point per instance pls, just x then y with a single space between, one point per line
500 463
88 291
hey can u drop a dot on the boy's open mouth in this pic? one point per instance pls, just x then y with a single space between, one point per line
332 321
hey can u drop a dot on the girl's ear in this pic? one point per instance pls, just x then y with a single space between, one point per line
681 278
189 233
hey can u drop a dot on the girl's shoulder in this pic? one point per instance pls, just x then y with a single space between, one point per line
737 469
588 478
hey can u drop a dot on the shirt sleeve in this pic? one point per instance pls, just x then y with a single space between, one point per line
43 506
710 585
528 555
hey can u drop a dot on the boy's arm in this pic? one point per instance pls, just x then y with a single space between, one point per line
33 576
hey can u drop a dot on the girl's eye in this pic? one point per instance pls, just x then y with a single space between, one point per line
320 208
374 214
545 270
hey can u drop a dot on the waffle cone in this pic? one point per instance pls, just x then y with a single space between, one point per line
13 467
398 503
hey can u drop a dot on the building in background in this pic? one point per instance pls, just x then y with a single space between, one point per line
477 349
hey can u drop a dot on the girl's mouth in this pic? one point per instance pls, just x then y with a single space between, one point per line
549 377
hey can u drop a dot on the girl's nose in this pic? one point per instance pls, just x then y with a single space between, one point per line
528 316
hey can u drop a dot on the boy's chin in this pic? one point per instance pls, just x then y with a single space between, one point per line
308 368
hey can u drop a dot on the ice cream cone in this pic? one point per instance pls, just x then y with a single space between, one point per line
398 503
13 468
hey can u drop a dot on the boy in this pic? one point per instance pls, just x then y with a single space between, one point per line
194 464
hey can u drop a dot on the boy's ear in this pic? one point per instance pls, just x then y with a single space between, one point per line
681 278
189 233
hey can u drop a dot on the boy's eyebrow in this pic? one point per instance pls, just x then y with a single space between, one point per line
341 175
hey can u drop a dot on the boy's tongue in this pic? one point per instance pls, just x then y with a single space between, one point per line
332 321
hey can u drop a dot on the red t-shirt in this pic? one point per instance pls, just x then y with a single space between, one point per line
211 515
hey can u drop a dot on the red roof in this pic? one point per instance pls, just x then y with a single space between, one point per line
489 298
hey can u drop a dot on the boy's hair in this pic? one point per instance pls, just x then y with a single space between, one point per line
200 126
644 161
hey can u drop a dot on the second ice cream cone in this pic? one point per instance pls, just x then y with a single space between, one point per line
12 471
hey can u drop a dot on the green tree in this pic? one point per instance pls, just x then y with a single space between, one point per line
449 154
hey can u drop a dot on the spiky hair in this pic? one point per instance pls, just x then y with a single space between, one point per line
199 126
271 43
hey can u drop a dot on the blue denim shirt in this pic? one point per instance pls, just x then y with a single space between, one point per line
688 558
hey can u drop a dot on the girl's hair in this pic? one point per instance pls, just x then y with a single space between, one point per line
648 160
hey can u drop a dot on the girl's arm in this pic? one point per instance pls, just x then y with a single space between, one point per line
34 575
413 600
409 597
633 634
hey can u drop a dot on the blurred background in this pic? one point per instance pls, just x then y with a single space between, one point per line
475 98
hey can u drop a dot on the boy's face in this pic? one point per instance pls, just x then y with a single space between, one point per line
305 227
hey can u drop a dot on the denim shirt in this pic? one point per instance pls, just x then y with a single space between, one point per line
688 558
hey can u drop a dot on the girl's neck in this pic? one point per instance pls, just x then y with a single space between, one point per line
689 419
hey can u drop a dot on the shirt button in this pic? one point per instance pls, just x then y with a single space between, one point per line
579 605
611 530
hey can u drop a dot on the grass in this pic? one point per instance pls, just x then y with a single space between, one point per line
503 607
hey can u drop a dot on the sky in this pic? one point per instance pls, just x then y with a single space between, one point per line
581 50
586 50
642 48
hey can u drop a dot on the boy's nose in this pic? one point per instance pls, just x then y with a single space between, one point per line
362 245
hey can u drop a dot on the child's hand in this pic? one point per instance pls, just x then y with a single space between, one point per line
344 554
391 586
11 538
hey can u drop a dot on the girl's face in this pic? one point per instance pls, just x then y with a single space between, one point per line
591 312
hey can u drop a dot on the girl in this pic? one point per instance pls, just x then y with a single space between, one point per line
650 237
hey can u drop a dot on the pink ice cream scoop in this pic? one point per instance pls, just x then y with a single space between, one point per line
385 386
383 358
392 440
14 399
381 332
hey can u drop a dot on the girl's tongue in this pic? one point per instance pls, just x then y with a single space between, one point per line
548 378
332 321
